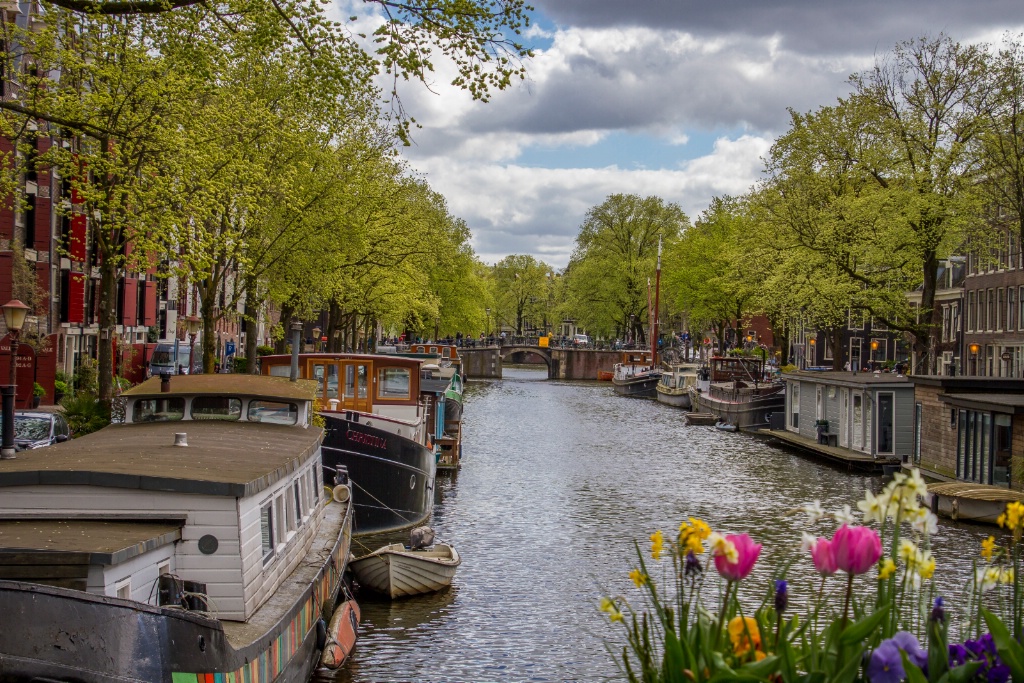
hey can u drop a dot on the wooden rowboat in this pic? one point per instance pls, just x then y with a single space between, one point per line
605 375
398 571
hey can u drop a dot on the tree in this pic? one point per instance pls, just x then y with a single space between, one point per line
614 261
520 283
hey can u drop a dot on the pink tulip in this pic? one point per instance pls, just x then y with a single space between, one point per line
856 548
823 556
746 556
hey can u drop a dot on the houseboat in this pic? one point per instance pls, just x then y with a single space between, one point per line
449 366
445 367
736 390
855 416
674 386
191 542
379 427
636 375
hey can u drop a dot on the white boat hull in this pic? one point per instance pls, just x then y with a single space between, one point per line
397 571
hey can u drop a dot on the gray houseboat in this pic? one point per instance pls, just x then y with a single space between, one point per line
191 543
867 414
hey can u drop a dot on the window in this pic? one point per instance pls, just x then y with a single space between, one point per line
878 325
267 531
1020 308
886 405
216 408
856 320
291 512
918 417
1009 308
990 305
984 444
158 409
970 311
280 521
947 322
1003 442
393 383
274 412
794 405
298 507
123 589
1000 307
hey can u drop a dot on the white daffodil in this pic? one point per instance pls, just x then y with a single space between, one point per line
925 522
873 507
813 511
844 516
807 542
917 483
907 552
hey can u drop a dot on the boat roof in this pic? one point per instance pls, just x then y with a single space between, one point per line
849 379
228 384
87 541
236 459
370 357
999 402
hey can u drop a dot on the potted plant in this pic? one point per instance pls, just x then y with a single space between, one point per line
60 388
37 394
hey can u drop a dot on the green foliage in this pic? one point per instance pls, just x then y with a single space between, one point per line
85 414
86 377
616 254
60 387
38 390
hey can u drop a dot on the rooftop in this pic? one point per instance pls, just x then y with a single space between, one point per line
93 541
233 384
223 458
859 379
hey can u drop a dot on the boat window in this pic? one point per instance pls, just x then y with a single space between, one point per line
216 408
158 409
297 493
274 412
267 531
446 352
393 383
332 381
280 370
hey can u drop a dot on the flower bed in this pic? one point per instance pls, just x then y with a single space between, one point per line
692 625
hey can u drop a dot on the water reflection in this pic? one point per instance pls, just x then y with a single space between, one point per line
558 480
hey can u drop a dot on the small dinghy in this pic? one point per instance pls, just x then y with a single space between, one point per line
399 571
725 427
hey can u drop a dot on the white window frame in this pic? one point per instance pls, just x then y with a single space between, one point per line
123 586
267 524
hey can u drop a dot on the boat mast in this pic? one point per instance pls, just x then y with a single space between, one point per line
655 319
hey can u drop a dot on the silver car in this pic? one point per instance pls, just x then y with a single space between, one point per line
39 429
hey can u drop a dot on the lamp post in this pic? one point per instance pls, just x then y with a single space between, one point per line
316 340
437 325
813 342
974 348
632 324
487 311
193 323
14 318
874 347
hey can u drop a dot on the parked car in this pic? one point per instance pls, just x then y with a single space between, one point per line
39 429
580 340
163 360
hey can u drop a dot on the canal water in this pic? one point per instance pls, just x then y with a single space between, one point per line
558 481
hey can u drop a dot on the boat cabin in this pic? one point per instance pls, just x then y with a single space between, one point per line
206 496
865 413
632 363
736 369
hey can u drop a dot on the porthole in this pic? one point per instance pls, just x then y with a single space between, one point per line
412 481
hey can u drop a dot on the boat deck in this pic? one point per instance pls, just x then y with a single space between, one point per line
853 460
966 489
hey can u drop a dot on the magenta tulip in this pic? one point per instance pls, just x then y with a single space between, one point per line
856 548
746 556
824 558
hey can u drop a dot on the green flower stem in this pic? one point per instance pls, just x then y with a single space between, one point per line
846 602
721 614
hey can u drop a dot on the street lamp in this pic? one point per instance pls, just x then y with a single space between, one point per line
974 348
193 323
488 312
316 340
632 325
14 317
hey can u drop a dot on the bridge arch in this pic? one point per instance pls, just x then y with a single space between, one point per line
507 351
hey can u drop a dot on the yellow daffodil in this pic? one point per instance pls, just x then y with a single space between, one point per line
926 565
907 551
1006 576
701 528
988 546
1013 519
639 578
615 616
692 535
657 544
608 606
887 569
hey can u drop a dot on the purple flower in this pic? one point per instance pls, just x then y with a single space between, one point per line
1000 673
886 665
939 611
692 566
908 643
781 595
958 654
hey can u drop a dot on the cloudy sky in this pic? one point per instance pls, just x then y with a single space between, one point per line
675 98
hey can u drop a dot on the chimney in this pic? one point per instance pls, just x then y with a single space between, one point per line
180 439
165 382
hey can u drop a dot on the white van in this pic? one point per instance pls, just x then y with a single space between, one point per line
580 339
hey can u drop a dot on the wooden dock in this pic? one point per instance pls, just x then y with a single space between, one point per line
701 419
852 460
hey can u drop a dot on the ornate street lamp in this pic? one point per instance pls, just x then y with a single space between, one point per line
488 312
193 324
316 340
974 348
14 318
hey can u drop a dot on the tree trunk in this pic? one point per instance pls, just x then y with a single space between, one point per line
925 344
333 327
252 318
208 312
835 340
108 320
281 345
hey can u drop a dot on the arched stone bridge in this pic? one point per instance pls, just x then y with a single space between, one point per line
484 362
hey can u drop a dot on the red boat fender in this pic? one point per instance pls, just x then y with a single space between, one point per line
341 635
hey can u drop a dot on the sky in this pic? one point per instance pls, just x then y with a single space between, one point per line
675 98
